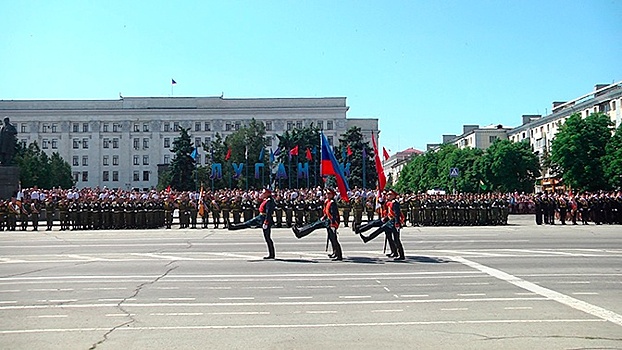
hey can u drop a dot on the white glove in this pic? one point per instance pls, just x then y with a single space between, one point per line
265 226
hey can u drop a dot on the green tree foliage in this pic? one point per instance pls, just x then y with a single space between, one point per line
613 160
505 166
182 166
246 145
215 152
353 137
37 169
510 166
305 138
579 149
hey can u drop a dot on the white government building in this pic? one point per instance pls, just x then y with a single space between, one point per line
120 143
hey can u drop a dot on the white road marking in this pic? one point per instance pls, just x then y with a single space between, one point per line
354 296
50 290
573 282
387 289
8 302
167 288
545 292
394 310
240 313
314 287
272 287
294 298
419 285
525 293
321 312
284 303
177 299
161 256
62 300
177 314
293 326
210 288
117 299
106 288
119 315
471 294
10 291
585 293
414 295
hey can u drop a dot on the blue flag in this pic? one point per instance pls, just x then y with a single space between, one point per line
194 154
271 156
261 154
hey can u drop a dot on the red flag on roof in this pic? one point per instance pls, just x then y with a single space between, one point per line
385 154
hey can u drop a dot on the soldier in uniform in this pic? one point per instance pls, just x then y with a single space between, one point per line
346 207
266 209
562 205
50 209
357 208
288 205
299 210
226 209
215 207
236 209
35 208
3 215
193 208
278 210
169 207
370 208
23 213
12 214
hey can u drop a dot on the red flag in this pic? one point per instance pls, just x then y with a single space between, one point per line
349 151
385 154
382 180
228 154
308 155
168 189
294 151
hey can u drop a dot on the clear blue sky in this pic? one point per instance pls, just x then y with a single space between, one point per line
423 68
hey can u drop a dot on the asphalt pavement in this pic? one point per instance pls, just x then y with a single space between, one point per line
519 286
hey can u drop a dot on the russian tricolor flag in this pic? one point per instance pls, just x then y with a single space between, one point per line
330 166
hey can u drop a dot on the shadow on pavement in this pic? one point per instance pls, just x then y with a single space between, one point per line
303 261
422 259
363 260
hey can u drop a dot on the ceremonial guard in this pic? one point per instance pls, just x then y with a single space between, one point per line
393 221
330 221
278 210
215 206
23 213
264 219
288 205
226 210
12 214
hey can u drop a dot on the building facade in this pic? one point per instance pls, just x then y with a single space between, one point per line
474 136
540 131
120 143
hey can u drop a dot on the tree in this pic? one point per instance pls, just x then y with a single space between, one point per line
217 151
305 138
511 166
613 160
60 172
246 145
182 165
37 169
353 138
578 149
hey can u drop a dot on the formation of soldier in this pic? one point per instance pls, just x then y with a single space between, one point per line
95 208
599 208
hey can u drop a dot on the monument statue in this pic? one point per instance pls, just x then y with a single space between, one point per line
8 140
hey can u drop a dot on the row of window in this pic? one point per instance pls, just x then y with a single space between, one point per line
84 176
106 160
175 127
